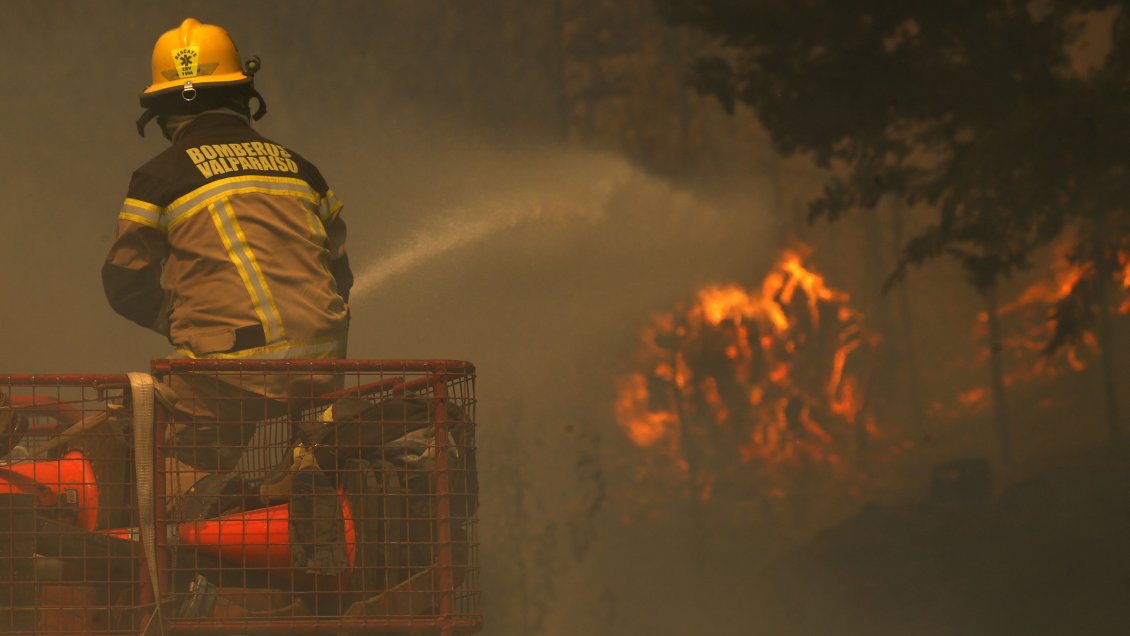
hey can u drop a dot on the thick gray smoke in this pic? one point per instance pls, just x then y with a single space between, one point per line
536 262
475 233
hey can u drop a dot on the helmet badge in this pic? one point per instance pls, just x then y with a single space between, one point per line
186 61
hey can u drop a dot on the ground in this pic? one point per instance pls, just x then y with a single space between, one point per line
1049 555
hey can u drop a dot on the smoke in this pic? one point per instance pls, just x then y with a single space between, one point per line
534 259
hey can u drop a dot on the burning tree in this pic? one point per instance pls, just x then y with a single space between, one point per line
762 391
990 114
1058 323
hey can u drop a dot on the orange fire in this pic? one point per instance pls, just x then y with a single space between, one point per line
1032 309
1027 323
774 377
1124 276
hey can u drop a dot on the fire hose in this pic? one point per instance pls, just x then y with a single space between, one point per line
141 388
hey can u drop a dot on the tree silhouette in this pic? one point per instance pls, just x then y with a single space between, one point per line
977 111
971 107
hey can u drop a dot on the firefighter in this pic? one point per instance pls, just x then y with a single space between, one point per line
229 244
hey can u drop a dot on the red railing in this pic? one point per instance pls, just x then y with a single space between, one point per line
350 505
66 478
290 497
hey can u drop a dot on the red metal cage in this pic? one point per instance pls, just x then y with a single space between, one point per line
286 497
66 479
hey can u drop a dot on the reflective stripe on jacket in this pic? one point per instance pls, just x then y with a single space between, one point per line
232 246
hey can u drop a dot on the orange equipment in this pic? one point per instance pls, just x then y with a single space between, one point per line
254 539
67 482
257 539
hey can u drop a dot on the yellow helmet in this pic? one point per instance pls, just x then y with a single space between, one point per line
194 55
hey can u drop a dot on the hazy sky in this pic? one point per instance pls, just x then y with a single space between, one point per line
492 244
534 262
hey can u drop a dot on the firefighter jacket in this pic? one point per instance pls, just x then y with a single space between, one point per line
232 246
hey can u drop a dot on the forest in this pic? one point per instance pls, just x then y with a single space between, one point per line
789 317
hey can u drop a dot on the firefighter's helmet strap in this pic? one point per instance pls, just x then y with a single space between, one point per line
144 120
262 109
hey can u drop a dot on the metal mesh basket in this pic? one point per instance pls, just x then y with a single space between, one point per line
68 564
304 495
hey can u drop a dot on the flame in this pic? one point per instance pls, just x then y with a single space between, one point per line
645 428
720 303
771 377
1065 275
1028 323
1124 276
973 396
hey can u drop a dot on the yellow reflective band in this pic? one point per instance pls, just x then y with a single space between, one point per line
141 212
329 206
319 238
317 230
330 347
264 289
244 261
186 206
126 216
